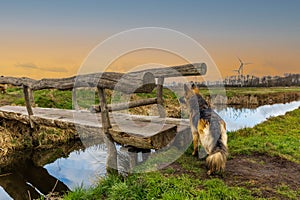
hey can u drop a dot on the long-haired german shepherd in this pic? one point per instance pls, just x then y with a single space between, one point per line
207 129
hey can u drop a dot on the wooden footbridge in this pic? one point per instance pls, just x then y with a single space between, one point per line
140 132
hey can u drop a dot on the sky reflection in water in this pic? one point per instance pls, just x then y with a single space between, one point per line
240 118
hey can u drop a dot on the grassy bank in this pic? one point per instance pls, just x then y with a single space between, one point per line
42 98
63 99
278 137
230 92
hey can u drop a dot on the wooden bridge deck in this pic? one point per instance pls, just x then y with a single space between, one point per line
146 132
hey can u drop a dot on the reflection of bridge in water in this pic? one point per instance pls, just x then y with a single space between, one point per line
23 176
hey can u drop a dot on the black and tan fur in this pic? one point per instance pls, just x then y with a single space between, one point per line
208 129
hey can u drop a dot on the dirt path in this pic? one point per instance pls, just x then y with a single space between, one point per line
263 172
260 173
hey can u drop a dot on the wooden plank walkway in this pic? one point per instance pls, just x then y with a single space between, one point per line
146 132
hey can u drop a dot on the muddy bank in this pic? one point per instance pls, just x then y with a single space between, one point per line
254 100
16 136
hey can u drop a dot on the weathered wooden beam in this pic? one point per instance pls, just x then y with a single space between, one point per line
28 104
74 100
148 139
27 99
31 97
193 69
111 161
133 82
160 100
128 83
104 114
124 106
16 81
132 104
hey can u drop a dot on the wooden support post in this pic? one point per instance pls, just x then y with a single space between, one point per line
133 157
74 100
159 93
31 97
111 161
28 104
145 154
128 163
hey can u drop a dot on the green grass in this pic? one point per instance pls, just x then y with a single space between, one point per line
239 91
50 98
42 98
53 99
277 136
63 99
157 186
285 191
230 92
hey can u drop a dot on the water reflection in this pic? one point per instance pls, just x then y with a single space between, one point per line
4 195
80 168
22 176
237 118
26 180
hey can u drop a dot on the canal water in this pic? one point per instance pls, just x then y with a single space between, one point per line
83 166
237 118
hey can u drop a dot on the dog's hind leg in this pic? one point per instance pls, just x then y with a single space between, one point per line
195 142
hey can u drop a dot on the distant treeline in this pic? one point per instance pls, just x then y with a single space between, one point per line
265 81
251 81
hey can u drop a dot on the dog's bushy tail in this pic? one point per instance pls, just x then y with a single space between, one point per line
217 160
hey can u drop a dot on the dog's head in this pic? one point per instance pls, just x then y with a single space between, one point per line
189 92
192 98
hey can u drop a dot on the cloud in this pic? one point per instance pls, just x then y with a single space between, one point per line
27 65
49 69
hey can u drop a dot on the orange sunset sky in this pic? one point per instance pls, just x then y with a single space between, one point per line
52 38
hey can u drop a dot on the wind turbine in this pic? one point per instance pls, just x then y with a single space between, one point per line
237 70
241 68
240 71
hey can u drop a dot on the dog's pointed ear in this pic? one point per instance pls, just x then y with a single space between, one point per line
195 89
193 86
